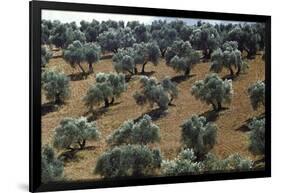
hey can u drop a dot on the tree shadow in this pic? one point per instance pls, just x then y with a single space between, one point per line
78 76
71 155
243 128
96 113
229 77
146 73
48 108
155 114
210 115
180 78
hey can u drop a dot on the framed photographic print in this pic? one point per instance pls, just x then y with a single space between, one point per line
124 96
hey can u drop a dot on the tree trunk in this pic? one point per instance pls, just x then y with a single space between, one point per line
82 69
91 70
187 72
112 100
238 70
231 71
219 106
136 70
106 103
170 102
163 51
143 65
58 99
82 144
214 106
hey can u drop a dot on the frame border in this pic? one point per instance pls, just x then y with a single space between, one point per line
35 8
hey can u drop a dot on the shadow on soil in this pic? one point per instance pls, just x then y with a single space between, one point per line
78 76
48 108
71 155
155 114
180 78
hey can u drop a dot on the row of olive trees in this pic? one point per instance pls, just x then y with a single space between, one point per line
198 138
112 35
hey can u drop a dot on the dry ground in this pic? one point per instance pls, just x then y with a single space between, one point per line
231 136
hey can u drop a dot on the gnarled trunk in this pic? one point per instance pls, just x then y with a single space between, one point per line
91 70
143 66
106 103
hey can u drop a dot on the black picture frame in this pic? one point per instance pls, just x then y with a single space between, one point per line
35 184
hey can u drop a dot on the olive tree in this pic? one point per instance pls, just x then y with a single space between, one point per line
128 160
72 133
74 55
248 38
92 54
123 61
109 40
141 132
229 56
108 86
46 55
51 167
199 134
213 90
205 38
234 162
126 60
257 94
58 35
141 33
181 57
257 136
55 86
170 88
144 53
184 163
153 92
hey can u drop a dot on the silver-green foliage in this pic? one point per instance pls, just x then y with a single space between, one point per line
46 55
199 135
153 92
184 163
128 160
125 60
227 57
233 162
213 90
257 136
141 132
92 53
72 133
257 94
181 57
52 168
76 53
55 85
107 86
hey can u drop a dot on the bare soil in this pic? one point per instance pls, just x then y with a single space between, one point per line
232 133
